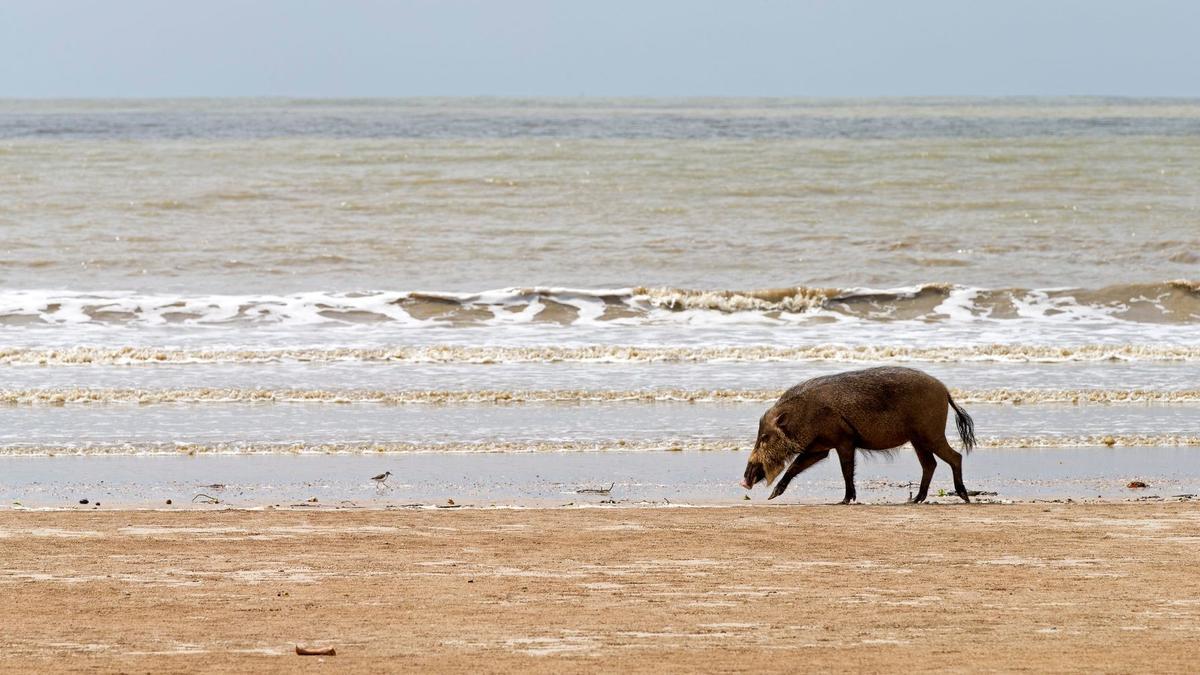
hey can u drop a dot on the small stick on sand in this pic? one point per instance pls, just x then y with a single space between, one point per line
315 651
208 498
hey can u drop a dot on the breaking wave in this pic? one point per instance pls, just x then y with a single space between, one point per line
603 353
1168 302
77 396
662 445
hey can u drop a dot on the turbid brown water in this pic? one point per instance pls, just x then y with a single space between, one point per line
1037 587
269 196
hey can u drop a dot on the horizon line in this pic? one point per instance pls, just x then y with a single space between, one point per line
619 97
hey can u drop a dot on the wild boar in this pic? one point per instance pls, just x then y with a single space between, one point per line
876 409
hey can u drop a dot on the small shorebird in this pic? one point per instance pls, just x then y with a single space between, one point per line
381 478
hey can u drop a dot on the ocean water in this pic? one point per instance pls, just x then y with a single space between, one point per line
535 278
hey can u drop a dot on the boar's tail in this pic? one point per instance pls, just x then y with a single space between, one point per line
966 426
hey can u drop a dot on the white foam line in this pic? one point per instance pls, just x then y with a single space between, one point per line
79 396
607 353
772 306
547 446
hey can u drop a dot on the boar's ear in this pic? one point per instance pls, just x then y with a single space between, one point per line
773 423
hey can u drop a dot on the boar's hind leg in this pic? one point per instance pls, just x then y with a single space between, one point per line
846 455
950 456
802 462
928 464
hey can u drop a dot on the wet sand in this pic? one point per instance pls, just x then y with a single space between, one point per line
1061 587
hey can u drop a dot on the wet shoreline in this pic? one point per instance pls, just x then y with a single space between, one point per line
573 479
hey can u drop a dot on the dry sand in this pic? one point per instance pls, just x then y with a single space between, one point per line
1036 587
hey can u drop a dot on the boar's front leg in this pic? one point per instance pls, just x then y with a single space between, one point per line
803 461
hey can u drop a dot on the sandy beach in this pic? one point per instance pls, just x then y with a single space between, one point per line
1036 587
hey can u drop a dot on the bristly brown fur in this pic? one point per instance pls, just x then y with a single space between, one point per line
774 455
777 451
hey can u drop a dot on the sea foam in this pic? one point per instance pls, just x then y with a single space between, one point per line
1171 302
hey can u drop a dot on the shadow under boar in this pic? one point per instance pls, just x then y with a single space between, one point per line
876 409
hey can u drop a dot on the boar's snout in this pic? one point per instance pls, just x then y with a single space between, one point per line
754 473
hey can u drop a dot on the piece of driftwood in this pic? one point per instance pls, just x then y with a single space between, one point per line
315 651
595 491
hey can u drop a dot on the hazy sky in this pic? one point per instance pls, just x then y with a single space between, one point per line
100 48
